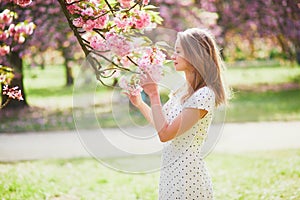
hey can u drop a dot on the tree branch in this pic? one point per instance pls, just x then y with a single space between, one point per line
75 31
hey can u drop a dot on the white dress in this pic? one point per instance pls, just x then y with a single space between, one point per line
183 173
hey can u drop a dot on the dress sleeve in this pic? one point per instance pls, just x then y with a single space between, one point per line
204 98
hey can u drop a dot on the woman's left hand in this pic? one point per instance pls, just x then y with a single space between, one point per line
149 86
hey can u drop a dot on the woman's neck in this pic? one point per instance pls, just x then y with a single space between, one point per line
189 77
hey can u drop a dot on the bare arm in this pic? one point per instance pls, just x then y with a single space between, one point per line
181 123
138 102
146 111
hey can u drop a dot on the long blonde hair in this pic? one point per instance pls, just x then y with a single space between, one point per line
201 51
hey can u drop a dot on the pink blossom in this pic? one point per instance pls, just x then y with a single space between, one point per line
12 93
146 2
125 3
101 22
88 25
98 43
123 21
22 3
78 22
19 38
98 23
141 19
70 1
88 12
151 63
4 35
125 61
118 44
4 50
6 18
73 9
11 29
130 87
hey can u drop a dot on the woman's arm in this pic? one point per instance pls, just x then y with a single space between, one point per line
138 102
182 123
146 111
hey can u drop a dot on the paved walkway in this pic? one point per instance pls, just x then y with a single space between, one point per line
235 138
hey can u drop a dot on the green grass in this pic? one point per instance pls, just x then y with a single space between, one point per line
249 176
262 74
264 106
51 101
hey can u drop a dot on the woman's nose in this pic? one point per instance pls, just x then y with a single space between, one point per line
173 57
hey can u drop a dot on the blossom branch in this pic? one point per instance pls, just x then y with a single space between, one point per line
74 29
110 8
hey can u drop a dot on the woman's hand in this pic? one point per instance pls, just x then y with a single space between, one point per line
149 86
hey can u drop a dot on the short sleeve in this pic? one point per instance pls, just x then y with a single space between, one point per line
204 98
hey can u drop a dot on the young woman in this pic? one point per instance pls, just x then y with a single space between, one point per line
183 123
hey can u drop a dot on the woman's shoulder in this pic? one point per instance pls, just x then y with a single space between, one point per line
204 91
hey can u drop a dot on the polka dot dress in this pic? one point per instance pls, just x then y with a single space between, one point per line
183 173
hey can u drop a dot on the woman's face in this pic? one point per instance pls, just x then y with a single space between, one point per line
180 63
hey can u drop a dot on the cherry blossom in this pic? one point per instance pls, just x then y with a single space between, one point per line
146 2
110 30
118 44
23 3
125 3
4 35
13 93
131 87
4 50
98 43
6 18
142 19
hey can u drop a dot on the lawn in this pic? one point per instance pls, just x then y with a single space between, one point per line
264 175
51 102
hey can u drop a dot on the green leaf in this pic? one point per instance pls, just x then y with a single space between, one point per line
150 7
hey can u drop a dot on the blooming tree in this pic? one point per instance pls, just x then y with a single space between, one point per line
52 32
111 35
12 35
275 19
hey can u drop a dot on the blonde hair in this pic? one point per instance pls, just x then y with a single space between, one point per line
201 51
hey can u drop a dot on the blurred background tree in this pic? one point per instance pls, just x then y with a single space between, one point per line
52 33
246 29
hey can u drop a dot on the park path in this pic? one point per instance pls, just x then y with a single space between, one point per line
235 138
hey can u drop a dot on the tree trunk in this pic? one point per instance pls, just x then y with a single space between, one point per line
69 74
298 55
17 64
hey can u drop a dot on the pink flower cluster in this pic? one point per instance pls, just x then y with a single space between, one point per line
12 93
4 50
116 43
128 3
22 3
98 43
131 87
21 30
138 20
91 16
90 20
6 18
18 32
151 62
